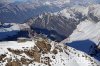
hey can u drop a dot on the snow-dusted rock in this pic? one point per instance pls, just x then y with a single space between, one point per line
43 53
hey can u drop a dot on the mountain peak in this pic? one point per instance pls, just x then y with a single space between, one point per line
42 51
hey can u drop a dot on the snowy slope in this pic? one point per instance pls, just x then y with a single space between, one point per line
53 54
88 28
85 30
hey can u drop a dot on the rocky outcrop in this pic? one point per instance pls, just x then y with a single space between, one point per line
46 22
13 63
44 52
2 57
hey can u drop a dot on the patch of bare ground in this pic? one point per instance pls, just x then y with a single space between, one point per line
41 48
17 52
2 56
13 63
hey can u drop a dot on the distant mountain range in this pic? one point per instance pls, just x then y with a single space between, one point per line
58 24
20 11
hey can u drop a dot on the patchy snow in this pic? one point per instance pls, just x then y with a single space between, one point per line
81 9
68 57
16 45
47 3
65 13
81 58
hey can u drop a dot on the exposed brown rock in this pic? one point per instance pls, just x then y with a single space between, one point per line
30 53
65 47
2 56
36 49
13 63
43 46
48 47
37 56
25 61
55 51
17 52
33 54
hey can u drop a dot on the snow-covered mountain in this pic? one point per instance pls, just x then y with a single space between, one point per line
49 33
42 52
66 21
75 24
21 11
88 28
46 22
11 10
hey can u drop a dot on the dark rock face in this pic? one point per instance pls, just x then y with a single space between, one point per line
55 26
2 56
94 18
